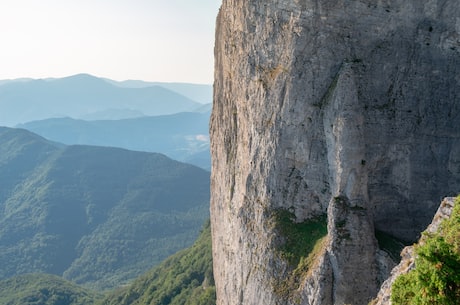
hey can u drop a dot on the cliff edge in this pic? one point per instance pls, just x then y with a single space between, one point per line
346 113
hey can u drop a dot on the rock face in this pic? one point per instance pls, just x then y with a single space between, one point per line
350 109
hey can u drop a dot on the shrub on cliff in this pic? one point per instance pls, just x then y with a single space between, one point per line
436 278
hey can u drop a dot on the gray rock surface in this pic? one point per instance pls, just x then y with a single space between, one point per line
318 100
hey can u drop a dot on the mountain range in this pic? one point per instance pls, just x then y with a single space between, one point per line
84 96
98 216
198 92
181 136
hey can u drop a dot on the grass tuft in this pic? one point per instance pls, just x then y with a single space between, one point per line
301 246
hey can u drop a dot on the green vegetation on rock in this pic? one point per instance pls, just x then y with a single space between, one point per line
436 277
299 238
300 246
44 289
185 278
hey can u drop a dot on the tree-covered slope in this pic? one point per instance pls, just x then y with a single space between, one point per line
44 289
185 278
96 215
20 153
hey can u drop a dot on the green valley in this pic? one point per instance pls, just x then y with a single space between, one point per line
185 278
98 216
44 289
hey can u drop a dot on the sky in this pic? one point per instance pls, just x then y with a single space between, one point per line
150 40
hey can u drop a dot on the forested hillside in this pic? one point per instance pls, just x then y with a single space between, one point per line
44 289
185 278
98 216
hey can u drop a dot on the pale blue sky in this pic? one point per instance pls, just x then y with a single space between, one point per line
152 40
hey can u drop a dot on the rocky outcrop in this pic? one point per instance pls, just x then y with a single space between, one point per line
408 258
349 109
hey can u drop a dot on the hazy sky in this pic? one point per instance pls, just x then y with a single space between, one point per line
153 40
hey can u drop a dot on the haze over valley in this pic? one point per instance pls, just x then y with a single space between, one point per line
168 118
105 152
95 215
92 198
83 96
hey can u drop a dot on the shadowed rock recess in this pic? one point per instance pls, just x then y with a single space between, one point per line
348 109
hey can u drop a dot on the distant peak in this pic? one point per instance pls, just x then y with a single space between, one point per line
84 79
81 76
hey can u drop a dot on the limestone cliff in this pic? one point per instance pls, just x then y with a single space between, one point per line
344 108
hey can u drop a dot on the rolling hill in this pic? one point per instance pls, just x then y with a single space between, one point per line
181 136
185 278
44 289
99 216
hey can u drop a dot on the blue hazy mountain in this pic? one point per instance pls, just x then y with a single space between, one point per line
198 92
96 215
181 136
85 96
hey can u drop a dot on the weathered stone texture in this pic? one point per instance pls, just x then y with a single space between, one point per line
322 99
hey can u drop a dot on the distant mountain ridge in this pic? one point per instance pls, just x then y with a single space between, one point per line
198 92
95 215
86 96
181 136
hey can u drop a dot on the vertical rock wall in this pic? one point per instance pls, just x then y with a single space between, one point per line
349 104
